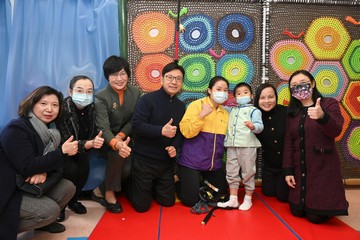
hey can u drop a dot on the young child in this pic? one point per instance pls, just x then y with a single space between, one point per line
244 121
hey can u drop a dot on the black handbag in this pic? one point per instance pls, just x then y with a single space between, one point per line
40 189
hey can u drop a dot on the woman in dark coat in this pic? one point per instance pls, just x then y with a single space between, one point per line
272 142
29 147
311 163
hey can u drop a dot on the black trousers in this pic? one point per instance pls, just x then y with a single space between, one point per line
314 218
77 171
273 184
190 181
151 180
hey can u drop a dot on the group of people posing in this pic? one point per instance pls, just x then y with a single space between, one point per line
144 138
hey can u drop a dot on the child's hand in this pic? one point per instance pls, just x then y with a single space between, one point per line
249 125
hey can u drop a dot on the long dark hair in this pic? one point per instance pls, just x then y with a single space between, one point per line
259 91
28 103
295 105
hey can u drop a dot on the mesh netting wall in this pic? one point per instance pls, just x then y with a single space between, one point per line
324 39
226 38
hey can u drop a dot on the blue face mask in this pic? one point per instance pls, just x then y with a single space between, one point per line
243 100
82 100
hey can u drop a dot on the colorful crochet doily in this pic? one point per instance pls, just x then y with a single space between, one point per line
327 38
199 35
235 68
148 71
351 60
331 79
283 94
188 97
347 120
199 68
153 32
350 142
235 32
287 56
351 99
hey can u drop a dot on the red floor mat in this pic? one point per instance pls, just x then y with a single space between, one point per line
178 223
128 224
267 219
332 230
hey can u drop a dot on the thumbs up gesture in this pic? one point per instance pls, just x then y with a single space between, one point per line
316 112
123 148
70 147
205 109
168 130
98 141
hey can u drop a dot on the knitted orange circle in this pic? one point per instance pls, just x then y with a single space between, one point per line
351 99
347 120
153 32
148 71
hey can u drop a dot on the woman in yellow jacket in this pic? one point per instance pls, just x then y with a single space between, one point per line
204 127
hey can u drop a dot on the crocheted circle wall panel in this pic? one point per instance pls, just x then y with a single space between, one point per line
350 142
148 71
235 32
351 60
331 79
327 38
199 68
235 68
199 35
347 120
351 99
283 94
153 32
188 97
287 56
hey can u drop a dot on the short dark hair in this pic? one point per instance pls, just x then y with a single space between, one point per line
77 78
295 105
215 80
114 64
259 91
27 104
242 84
172 66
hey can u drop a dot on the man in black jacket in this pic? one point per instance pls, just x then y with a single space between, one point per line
156 141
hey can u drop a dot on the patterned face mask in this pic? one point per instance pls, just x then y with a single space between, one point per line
301 91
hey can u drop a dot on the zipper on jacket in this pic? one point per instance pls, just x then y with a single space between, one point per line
212 157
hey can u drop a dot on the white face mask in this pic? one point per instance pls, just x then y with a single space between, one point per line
243 100
219 97
82 100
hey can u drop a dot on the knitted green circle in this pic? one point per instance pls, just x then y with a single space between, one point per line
199 68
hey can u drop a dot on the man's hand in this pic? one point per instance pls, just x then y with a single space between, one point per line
168 130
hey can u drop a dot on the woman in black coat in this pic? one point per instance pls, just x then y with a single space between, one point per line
311 163
29 147
272 142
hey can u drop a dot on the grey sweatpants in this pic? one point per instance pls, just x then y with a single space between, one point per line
38 212
241 158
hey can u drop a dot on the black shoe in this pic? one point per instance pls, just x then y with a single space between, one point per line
61 216
114 207
53 228
100 200
77 207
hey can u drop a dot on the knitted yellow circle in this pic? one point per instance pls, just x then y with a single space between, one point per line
327 38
